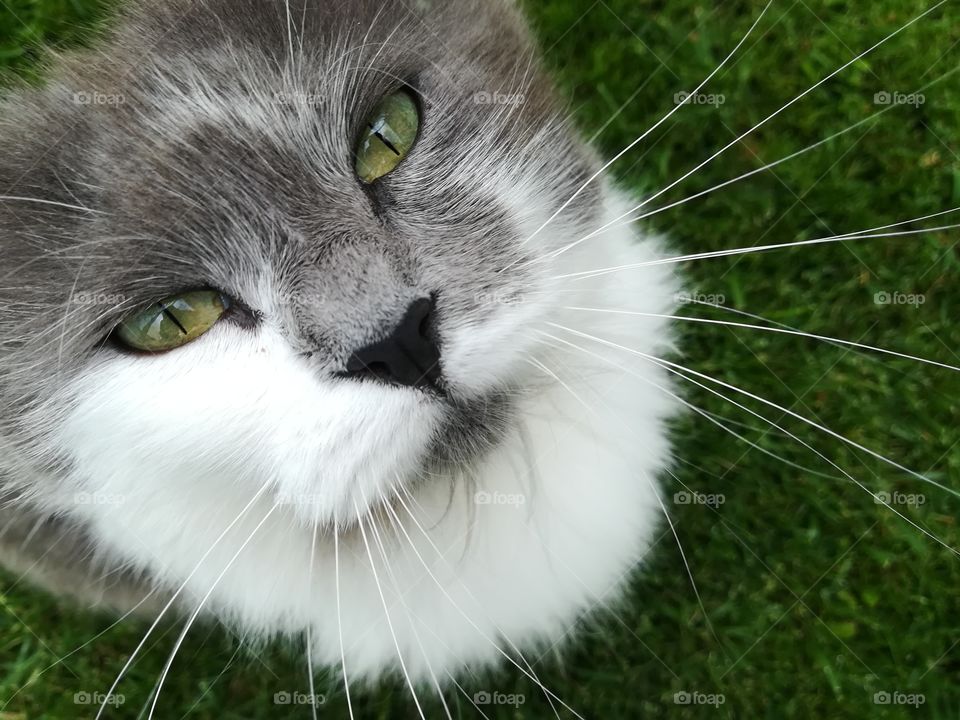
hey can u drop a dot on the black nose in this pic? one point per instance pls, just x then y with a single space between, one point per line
409 356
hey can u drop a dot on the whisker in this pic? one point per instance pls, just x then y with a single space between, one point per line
754 316
774 114
764 328
666 365
867 235
550 373
663 508
66 314
470 699
199 608
442 557
699 410
410 616
531 675
775 163
313 553
173 598
35 677
662 120
208 686
343 659
801 418
732 181
675 368
289 30
386 610
877 498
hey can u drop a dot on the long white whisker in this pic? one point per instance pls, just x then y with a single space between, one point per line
532 676
199 608
550 373
770 117
208 688
441 556
662 120
170 602
732 181
769 403
470 699
343 658
532 673
313 553
386 610
35 677
877 498
289 32
753 316
663 507
673 370
66 314
209 685
709 416
868 235
700 411
764 328
410 616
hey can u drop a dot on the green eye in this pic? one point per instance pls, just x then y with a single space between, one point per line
387 138
173 322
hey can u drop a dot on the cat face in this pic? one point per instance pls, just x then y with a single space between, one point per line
219 166
225 320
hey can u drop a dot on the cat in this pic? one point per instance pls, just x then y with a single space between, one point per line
286 304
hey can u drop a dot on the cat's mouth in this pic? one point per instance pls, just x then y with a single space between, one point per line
470 429
452 439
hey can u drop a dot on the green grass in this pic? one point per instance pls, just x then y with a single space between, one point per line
818 597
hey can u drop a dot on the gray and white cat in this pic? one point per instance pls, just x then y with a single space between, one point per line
286 297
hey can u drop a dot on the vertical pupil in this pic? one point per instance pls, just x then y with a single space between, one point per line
382 139
173 318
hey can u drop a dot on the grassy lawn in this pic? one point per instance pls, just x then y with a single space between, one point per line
816 597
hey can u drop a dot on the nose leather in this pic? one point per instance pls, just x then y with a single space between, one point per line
409 355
